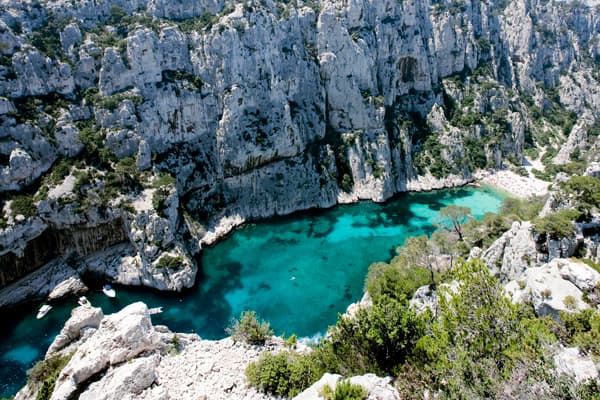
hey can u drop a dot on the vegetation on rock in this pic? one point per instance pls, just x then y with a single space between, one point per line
42 376
344 390
249 329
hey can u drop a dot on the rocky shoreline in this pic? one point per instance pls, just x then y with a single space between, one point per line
120 264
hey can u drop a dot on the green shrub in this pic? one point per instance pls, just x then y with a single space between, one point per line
376 339
159 197
163 179
60 170
291 341
570 302
23 204
169 262
44 373
284 374
583 330
395 279
557 225
525 210
344 390
248 329
585 190
469 343
521 171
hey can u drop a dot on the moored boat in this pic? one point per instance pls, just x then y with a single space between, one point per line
155 310
43 311
109 291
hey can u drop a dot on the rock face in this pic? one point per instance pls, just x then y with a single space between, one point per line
123 356
556 286
269 108
514 252
569 361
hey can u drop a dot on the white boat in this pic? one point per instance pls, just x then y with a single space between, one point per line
109 291
43 311
155 310
83 301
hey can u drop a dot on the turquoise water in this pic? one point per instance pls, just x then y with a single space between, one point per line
297 271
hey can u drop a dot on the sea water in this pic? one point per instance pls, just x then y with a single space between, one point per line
297 271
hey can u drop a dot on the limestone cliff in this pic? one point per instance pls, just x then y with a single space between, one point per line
264 107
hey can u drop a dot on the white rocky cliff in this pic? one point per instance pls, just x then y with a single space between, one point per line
263 108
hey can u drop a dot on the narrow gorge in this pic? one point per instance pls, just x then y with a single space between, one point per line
134 134
183 119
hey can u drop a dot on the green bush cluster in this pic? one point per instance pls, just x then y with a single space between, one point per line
283 374
524 210
23 204
376 339
46 38
583 330
249 329
585 192
169 262
42 376
159 198
557 225
344 390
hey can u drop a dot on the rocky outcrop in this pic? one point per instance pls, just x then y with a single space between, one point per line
123 355
554 287
514 252
270 108
55 279
571 362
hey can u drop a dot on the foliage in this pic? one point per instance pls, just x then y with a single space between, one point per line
395 279
417 252
483 233
169 262
478 335
291 341
285 373
557 225
173 76
127 173
23 204
205 21
249 329
59 171
520 170
92 138
453 218
163 179
583 330
585 191
44 373
159 198
344 390
47 37
524 210
376 339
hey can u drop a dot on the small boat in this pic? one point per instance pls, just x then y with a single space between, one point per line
109 291
43 311
155 310
83 301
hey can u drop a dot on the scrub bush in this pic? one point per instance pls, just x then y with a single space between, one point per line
249 329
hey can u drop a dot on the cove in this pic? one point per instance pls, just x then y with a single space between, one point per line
297 271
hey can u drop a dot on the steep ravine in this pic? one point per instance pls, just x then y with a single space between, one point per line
260 108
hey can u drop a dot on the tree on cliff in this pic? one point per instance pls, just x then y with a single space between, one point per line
452 218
